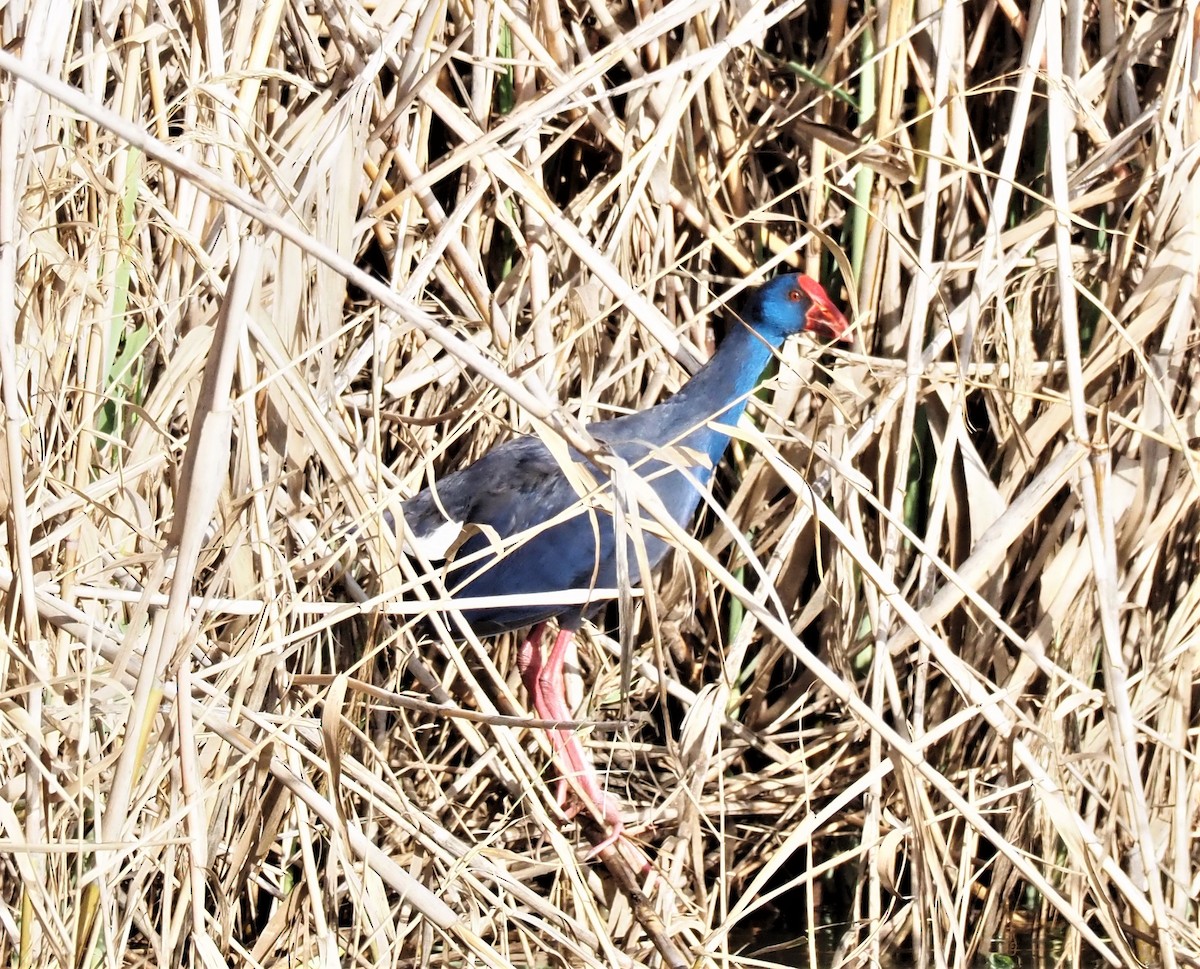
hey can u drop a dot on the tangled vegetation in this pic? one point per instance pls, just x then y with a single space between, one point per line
926 674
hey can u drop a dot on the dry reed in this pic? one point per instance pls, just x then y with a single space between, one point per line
927 663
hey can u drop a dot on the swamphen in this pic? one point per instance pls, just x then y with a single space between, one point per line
534 533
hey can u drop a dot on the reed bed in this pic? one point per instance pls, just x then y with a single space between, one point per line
922 681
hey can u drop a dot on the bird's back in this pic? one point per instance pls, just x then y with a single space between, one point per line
513 523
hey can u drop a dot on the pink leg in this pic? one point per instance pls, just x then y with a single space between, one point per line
548 692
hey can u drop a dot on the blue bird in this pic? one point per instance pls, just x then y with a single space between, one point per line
514 524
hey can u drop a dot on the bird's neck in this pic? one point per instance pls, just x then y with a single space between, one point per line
719 391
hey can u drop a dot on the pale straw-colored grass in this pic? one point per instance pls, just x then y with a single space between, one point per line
925 667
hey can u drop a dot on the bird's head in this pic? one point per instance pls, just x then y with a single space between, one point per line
794 303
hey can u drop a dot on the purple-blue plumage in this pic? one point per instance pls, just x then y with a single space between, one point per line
512 524
674 446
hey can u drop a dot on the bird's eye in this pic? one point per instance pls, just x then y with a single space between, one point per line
794 295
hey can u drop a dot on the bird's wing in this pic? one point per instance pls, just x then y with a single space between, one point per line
514 487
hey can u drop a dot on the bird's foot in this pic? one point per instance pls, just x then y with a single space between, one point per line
615 838
616 834
616 828
603 810
588 791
